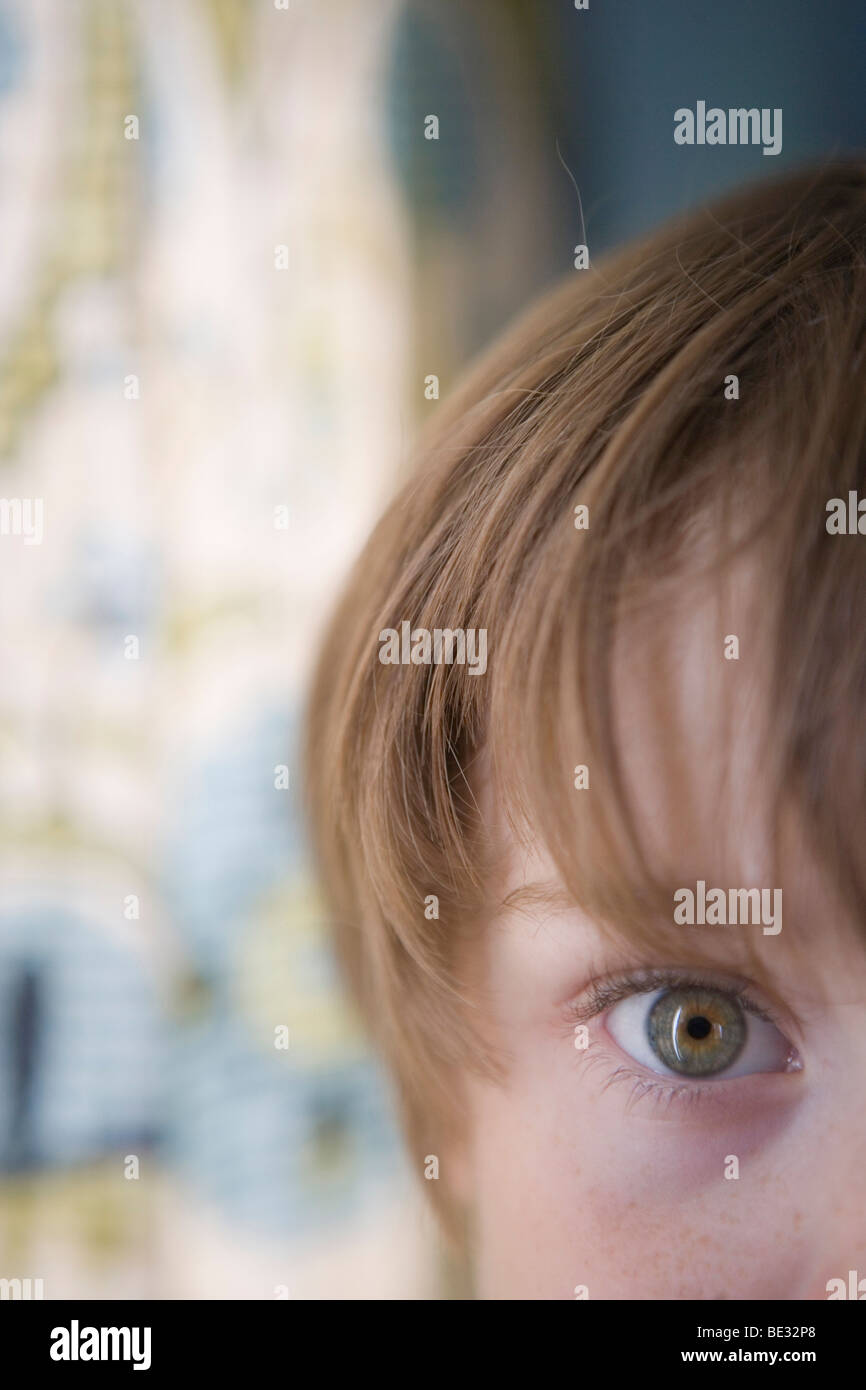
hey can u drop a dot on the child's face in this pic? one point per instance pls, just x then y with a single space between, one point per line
605 1167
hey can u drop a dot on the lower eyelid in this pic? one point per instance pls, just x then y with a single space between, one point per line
659 1089
613 1072
677 1098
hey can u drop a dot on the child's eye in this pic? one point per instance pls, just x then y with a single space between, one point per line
696 1031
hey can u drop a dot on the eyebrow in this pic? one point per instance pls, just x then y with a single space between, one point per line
699 945
539 893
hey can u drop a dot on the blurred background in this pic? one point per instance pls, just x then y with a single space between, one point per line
232 261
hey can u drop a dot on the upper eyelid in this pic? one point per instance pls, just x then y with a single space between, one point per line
604 993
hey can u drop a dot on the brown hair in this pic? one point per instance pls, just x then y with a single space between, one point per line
609 393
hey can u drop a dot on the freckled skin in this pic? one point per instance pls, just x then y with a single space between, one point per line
569 1189
573 1181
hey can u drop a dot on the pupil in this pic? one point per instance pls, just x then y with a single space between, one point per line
698 1027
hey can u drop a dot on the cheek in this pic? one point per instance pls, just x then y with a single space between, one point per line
581 1193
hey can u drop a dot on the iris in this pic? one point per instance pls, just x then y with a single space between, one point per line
696 1032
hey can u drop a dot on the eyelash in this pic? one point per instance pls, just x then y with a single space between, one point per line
601 995
657 1091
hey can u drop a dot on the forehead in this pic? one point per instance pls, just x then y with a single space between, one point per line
693 721
692 717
